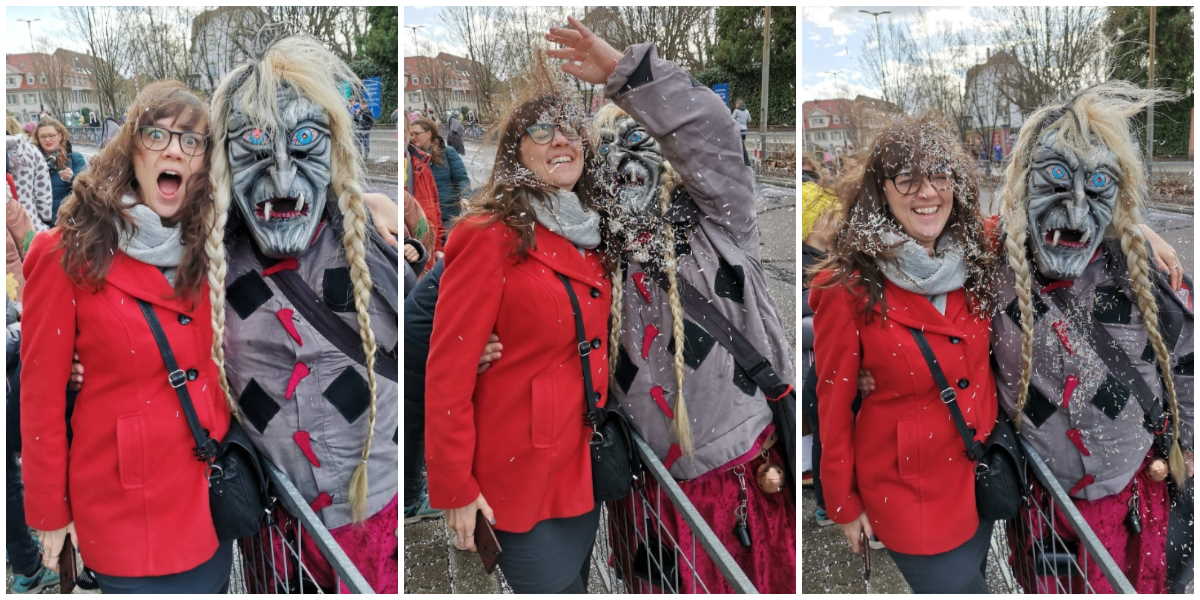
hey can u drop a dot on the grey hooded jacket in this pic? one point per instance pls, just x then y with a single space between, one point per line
727 411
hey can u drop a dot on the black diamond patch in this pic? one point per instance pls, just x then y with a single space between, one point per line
626 370
247 293
730 282
1184 367
1038 407
1148 353
338 290
743 381
1111 397
1112 306
1013 310
257 405
697 343
350 394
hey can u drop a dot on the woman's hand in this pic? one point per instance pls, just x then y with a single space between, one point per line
1164 256
590 58
866 382
52 544
66 174
854 531
383 214
462 522
491 353
75 381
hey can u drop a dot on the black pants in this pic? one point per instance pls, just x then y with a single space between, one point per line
22 550
745 156
553 557
1181 558
414 435
958 571
210 577
809 398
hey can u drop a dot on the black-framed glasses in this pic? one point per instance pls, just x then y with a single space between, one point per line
543 133
158 138
908 184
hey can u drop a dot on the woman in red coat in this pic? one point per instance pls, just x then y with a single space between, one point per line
908 255
512 442
123 481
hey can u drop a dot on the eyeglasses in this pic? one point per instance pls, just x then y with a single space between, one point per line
543 133
907 184
157 138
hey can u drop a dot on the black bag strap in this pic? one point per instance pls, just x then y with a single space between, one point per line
1121 366
757 367
591 412
331 326
948 396
206 447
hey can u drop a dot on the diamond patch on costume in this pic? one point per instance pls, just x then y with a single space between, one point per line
257 405
626 371
350 394
1111 397
697 343
338 290
1013 310
730 282
1038 407
743 381
1112 306
247 293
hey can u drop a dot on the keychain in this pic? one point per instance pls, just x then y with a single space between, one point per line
1133 518
768 475
741 529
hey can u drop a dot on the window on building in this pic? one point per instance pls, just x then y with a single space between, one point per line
43 78
12 99
30 79
837 120
30 98
426 80
416 80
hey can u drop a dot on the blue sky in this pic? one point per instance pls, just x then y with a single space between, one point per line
433 33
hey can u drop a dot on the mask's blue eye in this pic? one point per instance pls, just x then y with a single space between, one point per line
1099 180
256 137
1058 173
603 149
305 136
636 136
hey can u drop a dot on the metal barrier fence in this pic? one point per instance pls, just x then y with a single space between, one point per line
85 135
638 552
779 160
293 553
1050 548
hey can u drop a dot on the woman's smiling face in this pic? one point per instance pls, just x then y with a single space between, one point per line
558 162
925 209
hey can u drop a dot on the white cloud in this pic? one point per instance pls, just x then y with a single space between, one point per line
824 86
843 52
829 17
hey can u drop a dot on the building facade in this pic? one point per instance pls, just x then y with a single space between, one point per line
60 84
438 84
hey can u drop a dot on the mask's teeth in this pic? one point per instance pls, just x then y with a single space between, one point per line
1057 234
267 211
300 203
1086 237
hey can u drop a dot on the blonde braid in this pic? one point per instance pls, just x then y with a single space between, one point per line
1015 229
214 248
1134 247
614 326
683 428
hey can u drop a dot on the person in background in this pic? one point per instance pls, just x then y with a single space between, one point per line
421 185
363 122
446 164
27 167
64 165
741 116
455 136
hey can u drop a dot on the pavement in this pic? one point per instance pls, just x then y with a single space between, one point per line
431 564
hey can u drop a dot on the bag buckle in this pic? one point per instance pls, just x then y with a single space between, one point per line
947 395
177 378
584 348
207 452
215 475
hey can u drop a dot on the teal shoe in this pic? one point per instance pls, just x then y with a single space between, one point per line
420 511
40 580
823 519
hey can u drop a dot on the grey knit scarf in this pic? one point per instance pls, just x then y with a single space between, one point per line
913 269
150 241
563 214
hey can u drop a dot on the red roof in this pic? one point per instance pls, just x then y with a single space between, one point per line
837 106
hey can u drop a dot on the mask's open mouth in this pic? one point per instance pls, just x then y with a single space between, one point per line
1066 238
169 183
633 181
282 208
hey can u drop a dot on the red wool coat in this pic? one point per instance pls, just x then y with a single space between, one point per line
129 481
515 433
901 459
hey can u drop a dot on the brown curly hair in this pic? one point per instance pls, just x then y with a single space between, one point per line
88 217
64 145
919 146
437 147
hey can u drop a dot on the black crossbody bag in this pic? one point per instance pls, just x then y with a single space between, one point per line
614 461
237 485
1000 482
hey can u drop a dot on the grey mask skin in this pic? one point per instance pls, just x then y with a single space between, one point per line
1071 203
634 164
281 173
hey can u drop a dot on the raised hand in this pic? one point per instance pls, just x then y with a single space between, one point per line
588 57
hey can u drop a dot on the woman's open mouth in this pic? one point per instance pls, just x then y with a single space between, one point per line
169 183
282 208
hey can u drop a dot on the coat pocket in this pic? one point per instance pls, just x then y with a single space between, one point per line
131 451
546 399
908 450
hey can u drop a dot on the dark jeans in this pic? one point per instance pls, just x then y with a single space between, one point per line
1181 558
809 398
210 577
962 570
745 156
364 141
414 436
22 551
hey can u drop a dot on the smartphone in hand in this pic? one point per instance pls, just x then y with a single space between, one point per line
66 567
486 543
865 544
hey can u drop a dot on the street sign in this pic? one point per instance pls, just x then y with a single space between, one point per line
373 88
722 90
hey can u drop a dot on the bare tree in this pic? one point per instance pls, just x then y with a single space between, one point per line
164 47
677 31
215 51
110 45
478 28
1060 50
53 75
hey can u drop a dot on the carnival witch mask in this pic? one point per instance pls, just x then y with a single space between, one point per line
634 165
1071 198
281 172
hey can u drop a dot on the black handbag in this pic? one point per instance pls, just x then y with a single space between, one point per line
1001 486
614 462
237 484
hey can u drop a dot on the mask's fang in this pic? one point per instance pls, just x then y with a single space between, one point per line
300 204
1057 234
1086 237
267 212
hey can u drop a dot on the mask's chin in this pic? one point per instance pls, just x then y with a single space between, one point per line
1064 252
288 229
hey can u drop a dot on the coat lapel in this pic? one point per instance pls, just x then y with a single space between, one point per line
562 256
914 310
146 282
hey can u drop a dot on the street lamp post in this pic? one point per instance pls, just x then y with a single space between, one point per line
879 40
29 25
